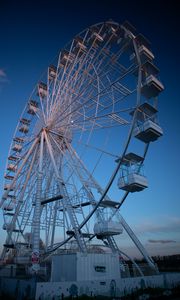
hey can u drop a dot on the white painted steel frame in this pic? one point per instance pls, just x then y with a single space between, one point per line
74 103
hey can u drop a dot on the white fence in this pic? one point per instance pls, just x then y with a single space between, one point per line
114 287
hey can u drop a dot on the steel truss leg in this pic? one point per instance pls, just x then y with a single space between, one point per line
37 212
67 203
138 244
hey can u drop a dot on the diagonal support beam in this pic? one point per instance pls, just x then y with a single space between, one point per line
67 203
138 244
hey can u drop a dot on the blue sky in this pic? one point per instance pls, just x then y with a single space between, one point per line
33 33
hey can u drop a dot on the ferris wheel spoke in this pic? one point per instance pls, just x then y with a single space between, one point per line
54 101
76 171
75 120
101 70
103 151
81 63
76 87
90 99
102 121
67 106
111 105
69 166
77 81
86 178
87 123
88 183
65 68
75 157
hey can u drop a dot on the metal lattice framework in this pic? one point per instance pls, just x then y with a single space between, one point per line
79 120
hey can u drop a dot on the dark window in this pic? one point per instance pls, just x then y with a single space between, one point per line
101 269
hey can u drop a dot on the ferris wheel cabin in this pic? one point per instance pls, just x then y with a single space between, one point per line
32 107
52 72
132 178
42 90
80 47
24 128
151 87
147 128
107 228
144 50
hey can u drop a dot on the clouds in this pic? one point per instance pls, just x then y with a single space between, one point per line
164 224
159 235
3 76
2 73
161 241
3 79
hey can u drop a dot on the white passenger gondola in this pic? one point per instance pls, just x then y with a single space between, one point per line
52 71
151 87
13 158
131 177
107 228
113 32
17 147
24 128
20 140
96 36
147 128
144 51
32 107
8 177
8 206
7 187
148 68
79 45
12 167
66 57
42 90
127 25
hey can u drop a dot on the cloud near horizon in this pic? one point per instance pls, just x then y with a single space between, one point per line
162 241
162 225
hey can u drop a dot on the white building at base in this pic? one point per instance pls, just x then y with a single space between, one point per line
95 274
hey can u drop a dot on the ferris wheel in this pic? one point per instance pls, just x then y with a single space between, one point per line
80 144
